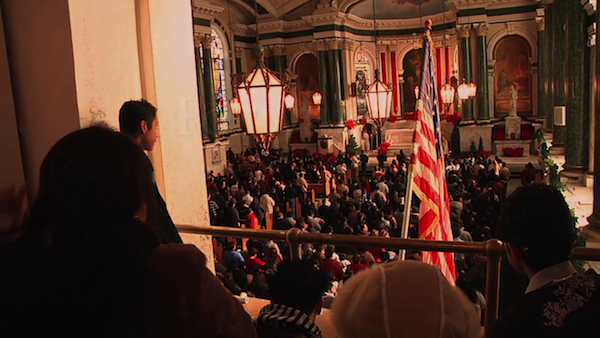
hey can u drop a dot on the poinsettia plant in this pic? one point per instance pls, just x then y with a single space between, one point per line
514 152
498 133
351 124
527 131
392 118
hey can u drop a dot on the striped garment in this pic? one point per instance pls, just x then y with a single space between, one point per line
286 318
427 164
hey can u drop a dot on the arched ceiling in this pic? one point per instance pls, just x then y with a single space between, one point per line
396 9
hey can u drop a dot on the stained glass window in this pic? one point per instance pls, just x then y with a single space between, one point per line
220 81
362 77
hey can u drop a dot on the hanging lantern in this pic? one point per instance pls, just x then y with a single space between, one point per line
289 101
261 96
448 93
463 91
472 89
379 100
416 92
317 97
235 106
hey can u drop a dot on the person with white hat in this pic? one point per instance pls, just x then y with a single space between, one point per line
403 299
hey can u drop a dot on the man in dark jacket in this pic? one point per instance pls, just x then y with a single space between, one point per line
137 120
538 229
296 299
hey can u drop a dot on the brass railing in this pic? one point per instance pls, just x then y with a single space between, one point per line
493 250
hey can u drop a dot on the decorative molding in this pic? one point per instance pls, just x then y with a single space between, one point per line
348 44
320 45
481 29
277 50
589 6
206 41
470 4
203 8
463 31
592 36
510 28
541 23
239 52
198 40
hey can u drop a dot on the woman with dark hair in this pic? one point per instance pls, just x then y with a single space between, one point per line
90 263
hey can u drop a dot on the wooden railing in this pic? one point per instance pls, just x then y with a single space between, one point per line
493 250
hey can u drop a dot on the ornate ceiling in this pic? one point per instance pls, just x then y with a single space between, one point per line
296 9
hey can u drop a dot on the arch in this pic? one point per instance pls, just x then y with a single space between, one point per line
293 62
307 83
411 64
512 68
493 41
363 68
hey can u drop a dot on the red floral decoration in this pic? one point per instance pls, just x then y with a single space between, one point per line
456 119
314 137
351 124
362 121
498 133
527 131
410 116
385 145
514 152
295 137
330 157
318 156
393 118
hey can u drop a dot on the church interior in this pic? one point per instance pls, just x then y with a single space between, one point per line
515 80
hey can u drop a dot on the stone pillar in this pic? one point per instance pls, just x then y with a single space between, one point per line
547 69
593 230
323 82
589 177
200 80
482 84
577 129
333 74
559 66
464 35
238 60
212 130
542 67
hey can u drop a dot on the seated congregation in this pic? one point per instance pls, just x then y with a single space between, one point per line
97 254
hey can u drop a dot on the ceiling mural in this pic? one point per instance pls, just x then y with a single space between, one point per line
397 9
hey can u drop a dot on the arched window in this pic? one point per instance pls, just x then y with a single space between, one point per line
362 78
220 81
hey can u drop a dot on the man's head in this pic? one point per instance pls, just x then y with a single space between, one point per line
300 285
137 119
537 225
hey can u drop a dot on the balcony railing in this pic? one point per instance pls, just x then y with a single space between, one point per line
493 250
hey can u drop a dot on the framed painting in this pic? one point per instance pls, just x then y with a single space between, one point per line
512 67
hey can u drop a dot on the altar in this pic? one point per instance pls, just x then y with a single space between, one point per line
399 135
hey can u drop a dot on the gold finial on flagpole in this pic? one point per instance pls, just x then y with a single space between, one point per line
428 25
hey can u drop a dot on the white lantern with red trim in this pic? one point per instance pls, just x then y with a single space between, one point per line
379 100
289 101
261 96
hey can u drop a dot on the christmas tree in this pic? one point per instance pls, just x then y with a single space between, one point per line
352 147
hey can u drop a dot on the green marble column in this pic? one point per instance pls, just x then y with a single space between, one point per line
559 66
209 88
335 103
482 78
577 133
200 82
542 69
323 85
342 71
464 52
548 70
594 219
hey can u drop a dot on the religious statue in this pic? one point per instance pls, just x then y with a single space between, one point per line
306 127
513 101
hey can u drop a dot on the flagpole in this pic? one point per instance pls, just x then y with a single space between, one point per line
407 203
411 169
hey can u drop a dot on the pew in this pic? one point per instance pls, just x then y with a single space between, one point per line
269 221
298 208
217 250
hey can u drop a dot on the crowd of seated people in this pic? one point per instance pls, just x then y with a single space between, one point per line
97 254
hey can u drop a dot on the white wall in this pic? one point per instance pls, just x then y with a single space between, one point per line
105 49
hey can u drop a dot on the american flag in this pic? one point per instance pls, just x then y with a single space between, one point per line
428 169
